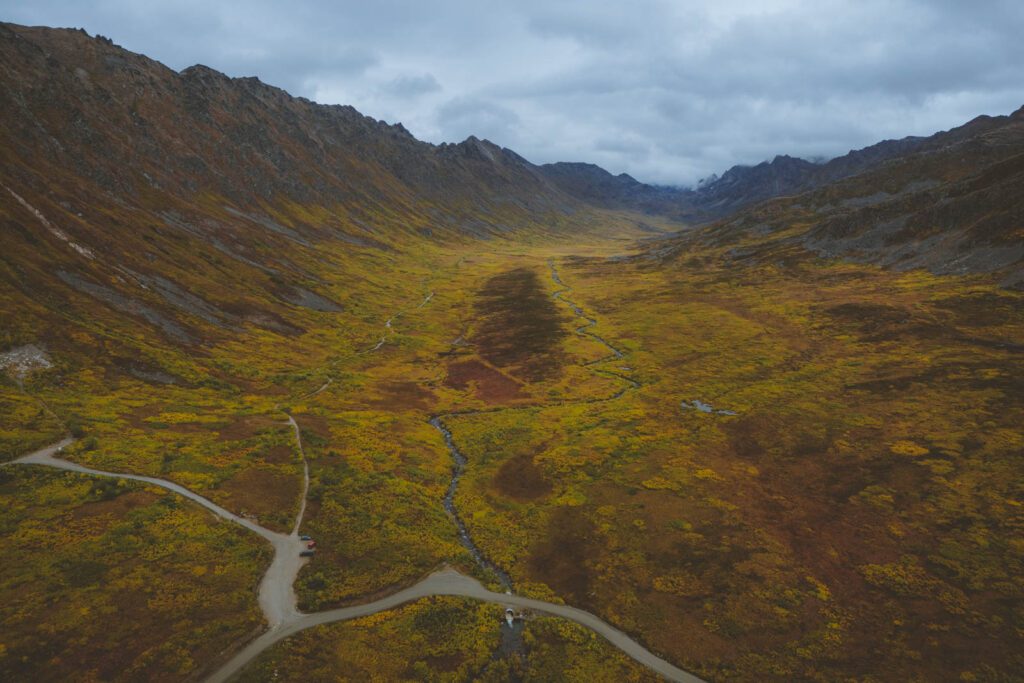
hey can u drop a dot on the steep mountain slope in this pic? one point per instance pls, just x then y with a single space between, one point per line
593 184
129 124
953 206
745 186
194 204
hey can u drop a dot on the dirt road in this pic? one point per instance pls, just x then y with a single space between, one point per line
277 597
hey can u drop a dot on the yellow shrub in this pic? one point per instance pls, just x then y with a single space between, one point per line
908 448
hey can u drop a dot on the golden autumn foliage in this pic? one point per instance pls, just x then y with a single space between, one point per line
110 580
847 505
445 639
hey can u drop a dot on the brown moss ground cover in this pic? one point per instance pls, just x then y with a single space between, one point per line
519 325
488 384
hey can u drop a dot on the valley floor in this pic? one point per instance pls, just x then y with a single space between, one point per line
788 470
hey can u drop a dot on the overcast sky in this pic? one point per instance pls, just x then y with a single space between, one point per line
668 91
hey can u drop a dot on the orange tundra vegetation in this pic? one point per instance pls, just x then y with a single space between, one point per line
748 445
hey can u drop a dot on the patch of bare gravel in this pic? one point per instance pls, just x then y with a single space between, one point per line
21 361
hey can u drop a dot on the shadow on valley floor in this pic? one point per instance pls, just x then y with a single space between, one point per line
521 327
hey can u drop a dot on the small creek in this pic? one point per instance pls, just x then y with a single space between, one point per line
458 468
613 352
276 592
459 460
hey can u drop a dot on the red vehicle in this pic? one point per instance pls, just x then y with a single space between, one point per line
311 544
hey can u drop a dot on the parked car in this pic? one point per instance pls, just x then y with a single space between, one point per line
304 537
307 553
311 544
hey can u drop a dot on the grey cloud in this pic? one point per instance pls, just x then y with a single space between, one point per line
462 117
666 90
623 26
411 86
628 146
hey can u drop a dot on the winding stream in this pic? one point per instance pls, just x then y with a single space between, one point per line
458 467
613 352
459 460
277 597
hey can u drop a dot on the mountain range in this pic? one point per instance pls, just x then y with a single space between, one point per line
950 202
768 427
129 183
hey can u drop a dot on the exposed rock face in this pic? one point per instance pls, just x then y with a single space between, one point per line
23 360
745 185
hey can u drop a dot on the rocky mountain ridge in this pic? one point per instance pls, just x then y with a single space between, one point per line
953 204
127 122
199 203
746 185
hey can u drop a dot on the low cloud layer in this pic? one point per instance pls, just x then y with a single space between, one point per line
668 91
